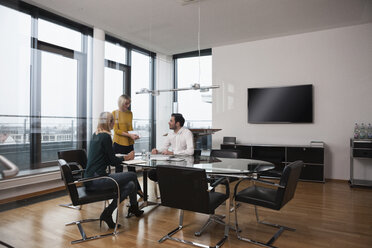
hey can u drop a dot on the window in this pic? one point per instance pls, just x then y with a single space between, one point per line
43 97
15 60
128 69
195 106
141 108
117 78
59 35
115 53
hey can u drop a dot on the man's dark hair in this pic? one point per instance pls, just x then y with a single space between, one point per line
178 118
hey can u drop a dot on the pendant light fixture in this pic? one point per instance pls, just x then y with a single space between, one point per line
195 86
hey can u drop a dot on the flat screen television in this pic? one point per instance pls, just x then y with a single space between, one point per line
290 104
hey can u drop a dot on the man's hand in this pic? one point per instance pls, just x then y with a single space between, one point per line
154 151
167 152
130 156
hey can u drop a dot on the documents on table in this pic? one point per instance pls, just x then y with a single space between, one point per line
165 158
135 161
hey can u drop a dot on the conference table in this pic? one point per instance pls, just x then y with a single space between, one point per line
213 166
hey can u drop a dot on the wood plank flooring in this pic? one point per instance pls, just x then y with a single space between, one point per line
325 215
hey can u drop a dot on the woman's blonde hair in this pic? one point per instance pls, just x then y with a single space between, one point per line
122 99
106 119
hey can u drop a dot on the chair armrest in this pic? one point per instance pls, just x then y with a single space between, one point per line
238 183
75 166
88 179
218 181
268 183
74 172
222 180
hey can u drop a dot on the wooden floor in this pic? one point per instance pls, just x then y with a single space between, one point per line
325 215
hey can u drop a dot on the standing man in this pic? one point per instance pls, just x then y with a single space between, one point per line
180 139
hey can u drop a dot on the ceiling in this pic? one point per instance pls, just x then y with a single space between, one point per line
171 26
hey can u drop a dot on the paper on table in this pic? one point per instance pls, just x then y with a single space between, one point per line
160 158
135 161
165 158
176 159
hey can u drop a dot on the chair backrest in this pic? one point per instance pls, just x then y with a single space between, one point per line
68 178
229 140
197 152
183 188
78 156
226 153
289 179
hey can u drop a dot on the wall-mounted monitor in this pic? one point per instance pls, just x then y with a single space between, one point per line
290 104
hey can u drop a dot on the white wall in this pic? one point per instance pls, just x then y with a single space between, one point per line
338 62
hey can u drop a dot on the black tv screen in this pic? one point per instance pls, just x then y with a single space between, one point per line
291 104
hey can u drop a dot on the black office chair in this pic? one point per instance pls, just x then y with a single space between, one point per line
229 140
187 189
80 196
77 160
270 198
227 154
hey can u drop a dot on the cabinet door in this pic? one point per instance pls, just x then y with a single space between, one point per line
312 155
362 144
275 155
312 172
362 153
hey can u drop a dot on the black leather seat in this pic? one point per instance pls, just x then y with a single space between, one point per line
187 189
80 196
268 197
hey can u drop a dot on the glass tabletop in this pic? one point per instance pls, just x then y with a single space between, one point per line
211 165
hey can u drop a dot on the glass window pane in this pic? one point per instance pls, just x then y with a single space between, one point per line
195 105
59 35
115 53
141 102
113 88
58 104
15 86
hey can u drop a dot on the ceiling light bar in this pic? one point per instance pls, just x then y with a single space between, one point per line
193 87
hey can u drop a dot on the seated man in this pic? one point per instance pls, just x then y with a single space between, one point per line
180 140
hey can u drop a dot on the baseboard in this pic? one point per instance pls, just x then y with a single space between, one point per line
336 180
30 195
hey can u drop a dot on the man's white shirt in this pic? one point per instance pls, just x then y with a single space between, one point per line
181 142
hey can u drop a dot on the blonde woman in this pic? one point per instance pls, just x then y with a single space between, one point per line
123 140
101 156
